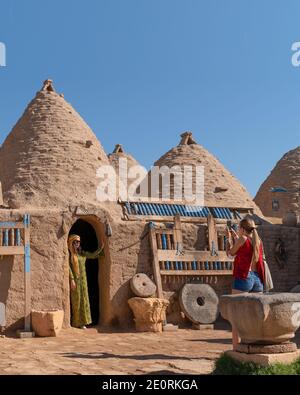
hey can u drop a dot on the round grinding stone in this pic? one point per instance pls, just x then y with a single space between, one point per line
199 302
142 286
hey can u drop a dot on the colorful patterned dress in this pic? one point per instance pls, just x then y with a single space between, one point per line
81 312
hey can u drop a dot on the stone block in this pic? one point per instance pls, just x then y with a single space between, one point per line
201 327
47 323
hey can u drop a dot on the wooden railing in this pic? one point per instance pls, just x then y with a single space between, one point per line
15 240
171 259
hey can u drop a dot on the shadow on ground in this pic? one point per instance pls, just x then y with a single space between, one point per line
105 355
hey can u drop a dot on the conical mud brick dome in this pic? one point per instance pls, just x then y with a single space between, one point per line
123 163
51 156
280 192
221 188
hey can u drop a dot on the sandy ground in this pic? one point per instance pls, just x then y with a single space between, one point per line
90 351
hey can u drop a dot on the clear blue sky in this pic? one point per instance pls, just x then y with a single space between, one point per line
140 72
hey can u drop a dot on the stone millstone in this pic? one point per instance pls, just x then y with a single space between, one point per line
142 286
199 302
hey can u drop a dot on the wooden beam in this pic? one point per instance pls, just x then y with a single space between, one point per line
178 233
156 268
212 235
11 250
27 273
188 220
196 272
191 256
11 224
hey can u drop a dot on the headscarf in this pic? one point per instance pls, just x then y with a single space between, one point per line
74 257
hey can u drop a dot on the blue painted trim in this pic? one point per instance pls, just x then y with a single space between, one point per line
5 239
18 237
27 258
164 241
127 205
8 224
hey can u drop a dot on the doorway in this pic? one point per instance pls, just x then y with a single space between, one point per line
89 242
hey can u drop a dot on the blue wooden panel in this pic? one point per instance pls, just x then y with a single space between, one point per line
167 265
219 215
8 224
172 209
18 237
157 208
5 238
169 210
128 208
206 211
206 265
147 208
153 209
189 211
164 241
26 220
144 209
180 266
176 265
194 265
176 209
139 209
238 215
164 209
222 212
27 258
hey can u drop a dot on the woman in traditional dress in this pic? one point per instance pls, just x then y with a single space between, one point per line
81 312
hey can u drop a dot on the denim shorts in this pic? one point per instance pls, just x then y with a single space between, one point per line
250 284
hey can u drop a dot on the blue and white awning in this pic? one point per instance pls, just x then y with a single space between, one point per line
184 210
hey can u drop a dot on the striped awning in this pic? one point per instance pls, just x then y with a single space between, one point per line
170 210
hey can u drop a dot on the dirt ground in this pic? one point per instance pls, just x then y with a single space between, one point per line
90 351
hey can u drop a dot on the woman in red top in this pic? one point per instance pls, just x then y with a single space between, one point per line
248 267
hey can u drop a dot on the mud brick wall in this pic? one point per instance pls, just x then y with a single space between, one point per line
287 277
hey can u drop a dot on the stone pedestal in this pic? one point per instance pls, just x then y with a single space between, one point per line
264 359
149 313
265 323
47 323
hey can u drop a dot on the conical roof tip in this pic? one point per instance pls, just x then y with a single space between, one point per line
47 86
118 149
187 138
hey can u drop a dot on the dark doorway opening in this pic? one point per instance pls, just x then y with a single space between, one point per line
89 242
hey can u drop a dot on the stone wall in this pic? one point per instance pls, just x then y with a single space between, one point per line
127 252
287 277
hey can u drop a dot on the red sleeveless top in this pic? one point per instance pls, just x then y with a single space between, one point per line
242 261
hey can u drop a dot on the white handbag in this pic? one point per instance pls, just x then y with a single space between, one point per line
268 282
